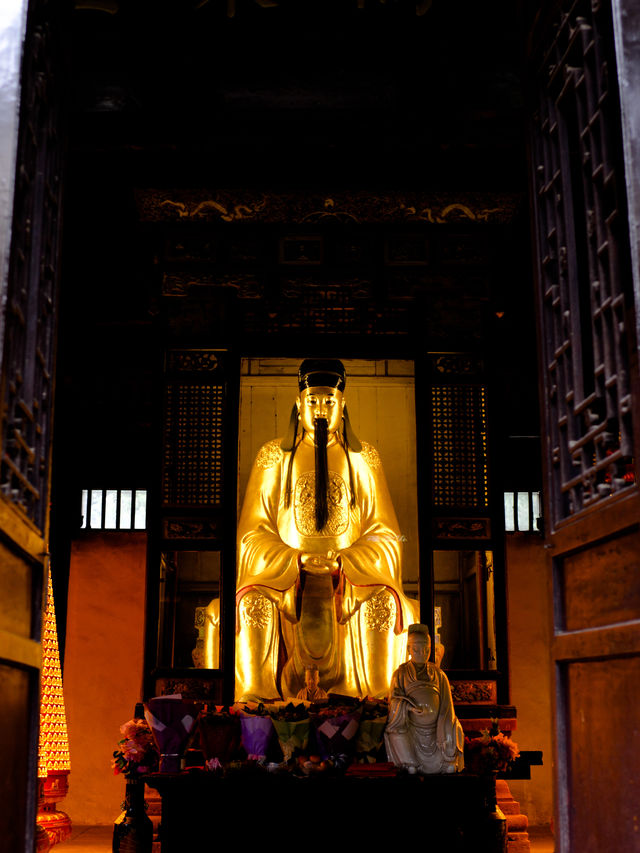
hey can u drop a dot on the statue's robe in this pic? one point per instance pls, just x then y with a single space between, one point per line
423 732
357 651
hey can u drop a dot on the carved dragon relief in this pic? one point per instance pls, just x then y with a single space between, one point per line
298 208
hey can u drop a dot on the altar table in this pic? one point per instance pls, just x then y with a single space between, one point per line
451 814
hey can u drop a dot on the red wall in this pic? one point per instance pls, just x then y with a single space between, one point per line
103 665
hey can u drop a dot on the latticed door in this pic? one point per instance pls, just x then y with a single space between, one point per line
27 330
587 318
194 552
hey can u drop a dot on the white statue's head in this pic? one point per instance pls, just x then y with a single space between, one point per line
418 643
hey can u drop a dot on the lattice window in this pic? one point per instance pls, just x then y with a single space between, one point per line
460 475
582 246
29 314
192 474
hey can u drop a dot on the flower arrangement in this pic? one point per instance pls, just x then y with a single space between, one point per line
219 734
335 727
137 752
371 731
492 752
257 731
291 723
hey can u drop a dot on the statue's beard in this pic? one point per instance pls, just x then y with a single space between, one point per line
321 438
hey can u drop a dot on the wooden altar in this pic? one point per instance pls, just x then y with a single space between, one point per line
455 812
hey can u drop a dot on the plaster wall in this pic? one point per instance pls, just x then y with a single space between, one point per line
529 603
103 665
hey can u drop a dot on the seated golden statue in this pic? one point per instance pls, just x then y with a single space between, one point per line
319 556
423 734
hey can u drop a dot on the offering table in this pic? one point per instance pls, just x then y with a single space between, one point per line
455 812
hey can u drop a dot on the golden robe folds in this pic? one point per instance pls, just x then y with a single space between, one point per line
349 623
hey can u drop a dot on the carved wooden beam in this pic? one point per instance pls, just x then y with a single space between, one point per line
200 205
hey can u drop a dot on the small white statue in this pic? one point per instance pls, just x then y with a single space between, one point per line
423 734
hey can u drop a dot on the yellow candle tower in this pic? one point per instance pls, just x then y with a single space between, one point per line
53 752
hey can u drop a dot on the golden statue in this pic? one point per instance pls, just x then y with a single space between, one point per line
319 556
423 734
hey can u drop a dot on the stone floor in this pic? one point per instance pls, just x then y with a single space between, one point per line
97 839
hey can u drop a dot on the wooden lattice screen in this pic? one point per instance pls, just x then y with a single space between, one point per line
459 447
192 474
582 256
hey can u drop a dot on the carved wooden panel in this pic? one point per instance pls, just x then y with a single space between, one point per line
583 262
602 702
474 692
601 584
307 208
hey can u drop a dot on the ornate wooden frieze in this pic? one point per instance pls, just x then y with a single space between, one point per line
246 286
192 689
456 364
192 361
156 205
583 263
239 7
190 528
345 289
326 310
462 528
474 692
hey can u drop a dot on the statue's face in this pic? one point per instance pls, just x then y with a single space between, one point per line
320 402
419 648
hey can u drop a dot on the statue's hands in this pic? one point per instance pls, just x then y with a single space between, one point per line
415 706
318 564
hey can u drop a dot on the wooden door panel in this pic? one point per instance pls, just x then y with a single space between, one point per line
16 740
602 755
600 584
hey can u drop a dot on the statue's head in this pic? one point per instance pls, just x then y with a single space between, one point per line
321 383
418 643
320 413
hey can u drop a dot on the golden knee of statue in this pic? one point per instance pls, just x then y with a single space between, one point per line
319 581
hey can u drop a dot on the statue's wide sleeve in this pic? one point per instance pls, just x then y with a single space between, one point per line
264 560
374 559
449 734
398 706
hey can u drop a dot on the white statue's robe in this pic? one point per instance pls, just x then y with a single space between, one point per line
423 733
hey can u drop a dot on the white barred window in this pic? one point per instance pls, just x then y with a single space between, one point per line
522 512
114 509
